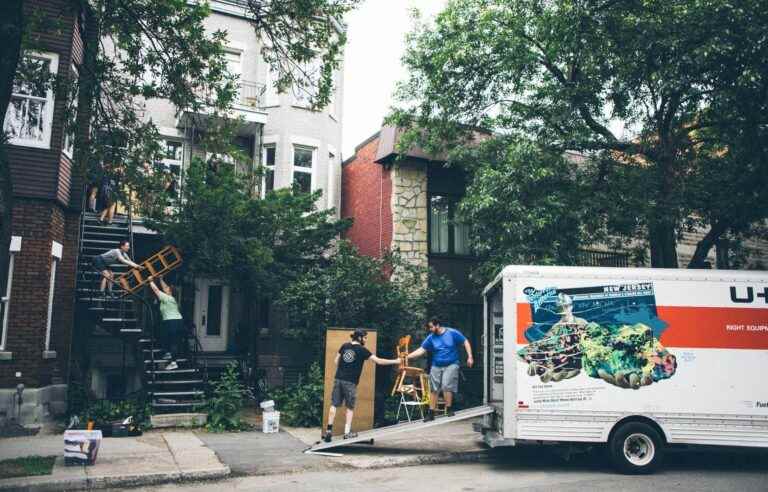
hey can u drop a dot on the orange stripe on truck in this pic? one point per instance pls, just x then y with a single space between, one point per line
695 327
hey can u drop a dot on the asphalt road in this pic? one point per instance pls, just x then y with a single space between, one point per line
521 469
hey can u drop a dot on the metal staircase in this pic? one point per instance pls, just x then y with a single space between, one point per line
130 318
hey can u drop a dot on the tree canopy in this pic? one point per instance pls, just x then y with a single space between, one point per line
351 290
665 98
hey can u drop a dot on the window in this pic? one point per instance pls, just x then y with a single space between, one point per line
446 236
71 119
332 109
30 112
310 75
173 161
268 158
303 160
271 96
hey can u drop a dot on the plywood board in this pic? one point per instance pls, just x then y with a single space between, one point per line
363 419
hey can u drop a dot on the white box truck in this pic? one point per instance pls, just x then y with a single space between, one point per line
638 359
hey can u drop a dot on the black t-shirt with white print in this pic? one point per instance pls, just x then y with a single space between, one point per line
351 359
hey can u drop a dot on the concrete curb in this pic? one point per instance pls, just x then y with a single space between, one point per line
46 484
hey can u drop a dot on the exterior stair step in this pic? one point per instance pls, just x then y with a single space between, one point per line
162 394
175 382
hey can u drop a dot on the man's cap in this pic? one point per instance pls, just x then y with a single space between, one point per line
359 333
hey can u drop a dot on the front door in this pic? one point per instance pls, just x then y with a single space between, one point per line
212 314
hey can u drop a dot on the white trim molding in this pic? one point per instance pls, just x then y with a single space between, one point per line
56 250
14 249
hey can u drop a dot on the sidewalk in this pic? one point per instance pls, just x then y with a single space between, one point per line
150 459
164 457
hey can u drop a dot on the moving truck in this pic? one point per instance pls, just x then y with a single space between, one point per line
638 359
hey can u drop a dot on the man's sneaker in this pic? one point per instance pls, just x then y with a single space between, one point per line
350 435
172 366
430 416
449 412
327 437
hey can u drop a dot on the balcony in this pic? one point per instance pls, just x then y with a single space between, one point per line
248 105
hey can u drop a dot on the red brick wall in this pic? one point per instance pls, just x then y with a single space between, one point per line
39 223
366 193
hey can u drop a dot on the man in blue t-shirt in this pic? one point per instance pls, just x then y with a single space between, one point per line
443 345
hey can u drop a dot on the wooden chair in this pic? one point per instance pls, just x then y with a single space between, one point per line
411 383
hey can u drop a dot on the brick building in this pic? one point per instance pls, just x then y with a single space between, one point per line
409 205
37 317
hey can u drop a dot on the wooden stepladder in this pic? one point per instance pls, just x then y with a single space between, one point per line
160 263
411 384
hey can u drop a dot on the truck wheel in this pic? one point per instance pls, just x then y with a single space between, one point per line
636 448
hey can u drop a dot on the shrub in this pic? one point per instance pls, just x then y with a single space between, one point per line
104 412
301 404
226 401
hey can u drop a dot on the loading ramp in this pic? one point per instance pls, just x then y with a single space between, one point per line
414 426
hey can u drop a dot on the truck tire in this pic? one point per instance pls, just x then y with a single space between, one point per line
636 448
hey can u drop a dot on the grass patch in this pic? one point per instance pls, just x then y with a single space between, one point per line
28 466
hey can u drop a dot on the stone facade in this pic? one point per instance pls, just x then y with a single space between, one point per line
409 212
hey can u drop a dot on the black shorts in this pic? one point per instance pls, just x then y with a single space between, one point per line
344 393
99 264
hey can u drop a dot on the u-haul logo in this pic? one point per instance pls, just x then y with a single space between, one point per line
746 295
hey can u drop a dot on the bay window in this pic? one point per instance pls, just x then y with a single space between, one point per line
303 165
447 235
30 112
268 181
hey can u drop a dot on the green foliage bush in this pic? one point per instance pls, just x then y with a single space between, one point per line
301 404
355 290
103 412
226 402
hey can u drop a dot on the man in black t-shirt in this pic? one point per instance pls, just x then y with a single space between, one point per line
349 364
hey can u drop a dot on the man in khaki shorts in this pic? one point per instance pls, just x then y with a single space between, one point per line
443 343
349 364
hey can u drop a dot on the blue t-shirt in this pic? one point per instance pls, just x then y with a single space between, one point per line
444 348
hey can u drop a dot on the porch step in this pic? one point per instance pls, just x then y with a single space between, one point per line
178 405
118 320
175 371
163 394
178 420
175 381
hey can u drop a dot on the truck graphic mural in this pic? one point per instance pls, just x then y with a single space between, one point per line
610 332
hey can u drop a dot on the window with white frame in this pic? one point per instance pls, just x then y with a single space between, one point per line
173 161
268 159
29 117
271 95
71 120
303 164
332 102
310 74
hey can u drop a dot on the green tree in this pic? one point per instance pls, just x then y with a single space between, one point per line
259 245
687 78
137 50
352 290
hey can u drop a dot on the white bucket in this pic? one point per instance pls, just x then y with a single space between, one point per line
271 422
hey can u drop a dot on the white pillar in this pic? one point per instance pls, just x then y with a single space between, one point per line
13 250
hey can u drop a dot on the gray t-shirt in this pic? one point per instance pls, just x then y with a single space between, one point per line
113 256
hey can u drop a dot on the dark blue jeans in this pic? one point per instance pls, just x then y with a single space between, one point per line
172 336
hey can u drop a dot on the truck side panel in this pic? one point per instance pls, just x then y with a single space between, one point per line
687 352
